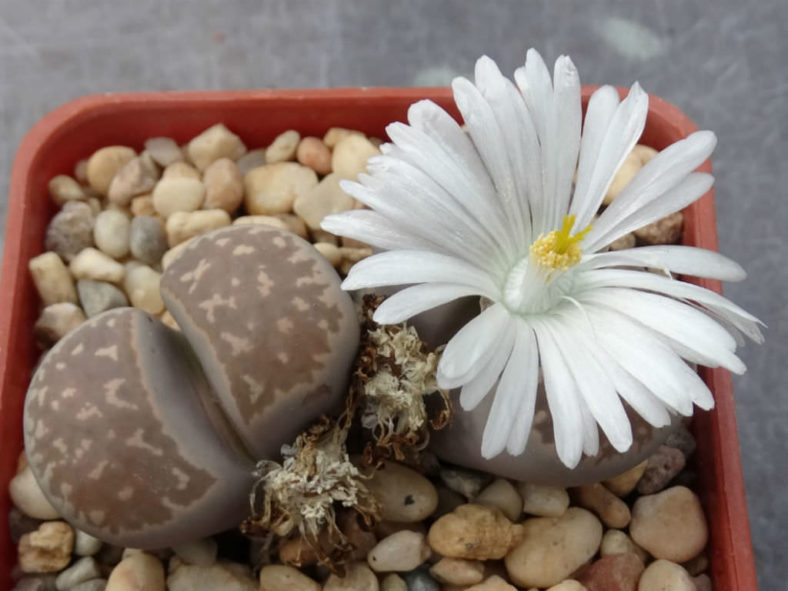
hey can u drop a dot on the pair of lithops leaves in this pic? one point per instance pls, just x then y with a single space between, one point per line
145 436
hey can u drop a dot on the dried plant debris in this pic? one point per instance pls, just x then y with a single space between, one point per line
301 496
394 373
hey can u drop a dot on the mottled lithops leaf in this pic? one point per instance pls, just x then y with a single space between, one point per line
274 332
122 435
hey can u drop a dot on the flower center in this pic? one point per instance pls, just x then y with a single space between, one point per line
559 249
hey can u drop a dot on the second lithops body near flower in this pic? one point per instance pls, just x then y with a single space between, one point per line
492 211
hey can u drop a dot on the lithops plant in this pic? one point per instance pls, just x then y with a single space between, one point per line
146 437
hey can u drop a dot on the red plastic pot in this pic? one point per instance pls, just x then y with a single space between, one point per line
78 128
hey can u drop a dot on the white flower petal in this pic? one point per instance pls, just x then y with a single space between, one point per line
401 267
610 132
663 172
562 398
411 301
521 429
683 260
374 229
651 362
739 318
594 384
675 320
474 391
688 191
510 394
471 346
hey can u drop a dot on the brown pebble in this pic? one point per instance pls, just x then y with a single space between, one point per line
664 231
625 483
475 532
312 152
617 572
663 466
609 508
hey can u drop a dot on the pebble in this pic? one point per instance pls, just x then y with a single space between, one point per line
55 322
625 483
178 194
662 466
82 570
323 236
420 580
71 230
697 565
335 134
214 143
624 242
142 287
224 186
94 264
664 231
326 198
279 577
493 583
111 233
468 483
198 552
683 440
104 164
670 524
168 320
48 549
92 585
274 188
644 153
20 524
474 531
283 148
630 167
52 279
137 176
142 205
399 552
180 170
542 500
63 188
81 171
137 572
147 240
329 251
358 577
502 494
568 585
163 150
618 572
456 571
251 160
702 583
85 544
28 497
609 508
312 152
617 542
552 548
663 575
393 582
97 297
95 205
184 225
405 495
359 537
350 155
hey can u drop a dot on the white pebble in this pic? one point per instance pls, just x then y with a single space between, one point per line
82 570
142 288
178 194
94 264
85 544
274 188
111 233
184 225
663 575
351 154
214 143
27 496
163 150
63 188
283 148
400 552
321 200
544 501
137 572
502 494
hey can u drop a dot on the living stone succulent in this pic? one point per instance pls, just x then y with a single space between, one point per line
146 437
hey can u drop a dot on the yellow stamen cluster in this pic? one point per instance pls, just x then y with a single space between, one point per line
559 249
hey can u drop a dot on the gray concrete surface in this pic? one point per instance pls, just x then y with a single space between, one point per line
723 62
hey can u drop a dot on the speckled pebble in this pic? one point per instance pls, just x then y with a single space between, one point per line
71 230
663 465
474 531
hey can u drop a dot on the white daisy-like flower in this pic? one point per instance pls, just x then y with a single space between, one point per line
493 211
